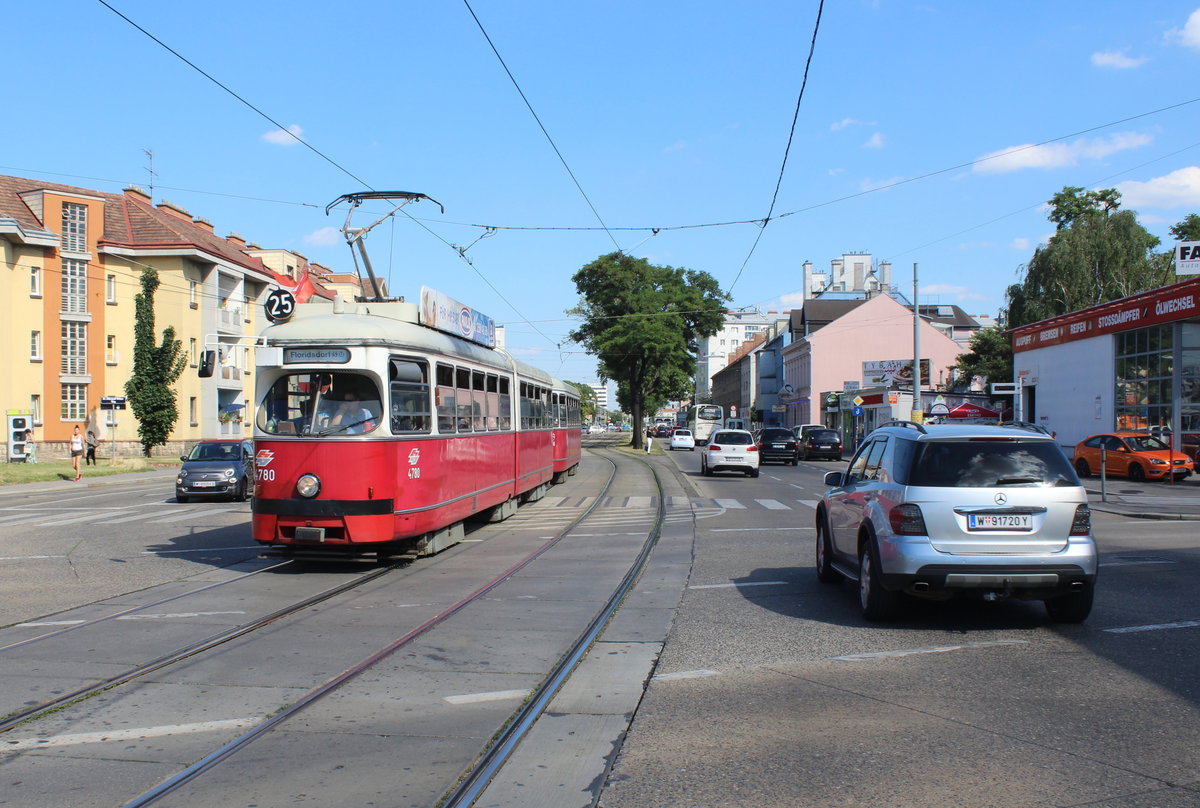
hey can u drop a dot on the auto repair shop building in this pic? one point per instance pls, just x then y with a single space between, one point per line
1132 363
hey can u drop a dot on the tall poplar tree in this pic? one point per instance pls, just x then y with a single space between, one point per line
643 323
155 369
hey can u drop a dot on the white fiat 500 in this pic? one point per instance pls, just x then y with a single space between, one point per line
683 439
730 450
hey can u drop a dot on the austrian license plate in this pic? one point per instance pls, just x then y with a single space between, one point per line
999 521
778 445
205 484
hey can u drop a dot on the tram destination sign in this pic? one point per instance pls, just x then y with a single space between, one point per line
304 356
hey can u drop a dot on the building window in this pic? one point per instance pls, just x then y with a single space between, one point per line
74 286
74 227
35 281
1145 372
35 406
192 294
192 351
74 402
192 411
35 346
74 348
110 289
110 349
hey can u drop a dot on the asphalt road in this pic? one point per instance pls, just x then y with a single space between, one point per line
770 689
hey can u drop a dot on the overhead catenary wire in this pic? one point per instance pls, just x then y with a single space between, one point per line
812 46
554 146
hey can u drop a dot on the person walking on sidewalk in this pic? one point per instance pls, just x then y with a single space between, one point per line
76 452
90 440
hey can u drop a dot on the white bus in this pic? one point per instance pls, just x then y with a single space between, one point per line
703 420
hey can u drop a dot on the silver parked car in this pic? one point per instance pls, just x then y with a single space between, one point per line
939 511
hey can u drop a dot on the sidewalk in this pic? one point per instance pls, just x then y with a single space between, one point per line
1180 500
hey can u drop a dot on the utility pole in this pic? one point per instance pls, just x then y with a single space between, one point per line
916 404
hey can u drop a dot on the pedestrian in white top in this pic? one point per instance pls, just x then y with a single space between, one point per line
77 452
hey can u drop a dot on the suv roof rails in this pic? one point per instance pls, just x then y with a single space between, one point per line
910 424
1026 425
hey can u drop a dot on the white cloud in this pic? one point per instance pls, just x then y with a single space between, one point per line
1175 190
1189 35
1117 60
1057 155
833 172
678 145
323 237
282 137
957 292
875 185
874 142
844 122
1019 243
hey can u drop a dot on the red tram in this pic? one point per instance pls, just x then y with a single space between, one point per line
375 433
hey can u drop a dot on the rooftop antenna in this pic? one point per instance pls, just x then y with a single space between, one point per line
354 235
150 168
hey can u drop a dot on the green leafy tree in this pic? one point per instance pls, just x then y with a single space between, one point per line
1188 229
1098 253
155 369
643 322
990 358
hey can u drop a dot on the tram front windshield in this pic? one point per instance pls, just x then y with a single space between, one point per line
318 404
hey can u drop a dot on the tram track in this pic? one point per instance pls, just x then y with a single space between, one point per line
489 760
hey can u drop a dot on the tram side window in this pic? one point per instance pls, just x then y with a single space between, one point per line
505 405
465 399
526 405
493 403
478 400
539 407
445 399
410 395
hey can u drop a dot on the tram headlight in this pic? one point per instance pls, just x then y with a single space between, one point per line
309 485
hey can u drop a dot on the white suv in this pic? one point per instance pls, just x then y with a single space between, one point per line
730 450
936 511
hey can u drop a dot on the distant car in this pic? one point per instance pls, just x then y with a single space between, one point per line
595 429
682 439
800 429
663 431
1136 455
939 511
216 468
818 443
730 450
778 444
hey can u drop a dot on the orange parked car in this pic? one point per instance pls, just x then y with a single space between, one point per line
1136 455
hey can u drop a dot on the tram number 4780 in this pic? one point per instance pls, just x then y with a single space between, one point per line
414 474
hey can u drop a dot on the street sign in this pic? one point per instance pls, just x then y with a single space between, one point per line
856 411
112 403
280 305
1004 388
858 401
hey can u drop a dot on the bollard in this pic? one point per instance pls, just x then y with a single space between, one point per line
648 442
1103 477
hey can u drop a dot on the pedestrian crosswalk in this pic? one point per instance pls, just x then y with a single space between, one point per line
694 507
50 516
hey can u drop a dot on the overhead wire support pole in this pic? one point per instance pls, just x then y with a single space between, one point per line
354 235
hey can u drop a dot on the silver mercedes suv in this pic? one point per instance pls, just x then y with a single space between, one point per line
940 511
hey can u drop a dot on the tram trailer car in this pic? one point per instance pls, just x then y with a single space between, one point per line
377 434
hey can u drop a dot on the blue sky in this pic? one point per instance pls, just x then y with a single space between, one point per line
668 114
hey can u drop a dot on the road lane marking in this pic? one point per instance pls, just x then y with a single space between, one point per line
137 516
29 558
1154 627
812 503
1126 561
208 549
45 623
773 505
127 734
696 674
181 517
729 504
939 649
747 583
751 529
171 616
495 695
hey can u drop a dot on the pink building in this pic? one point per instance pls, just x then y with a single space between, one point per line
835 342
